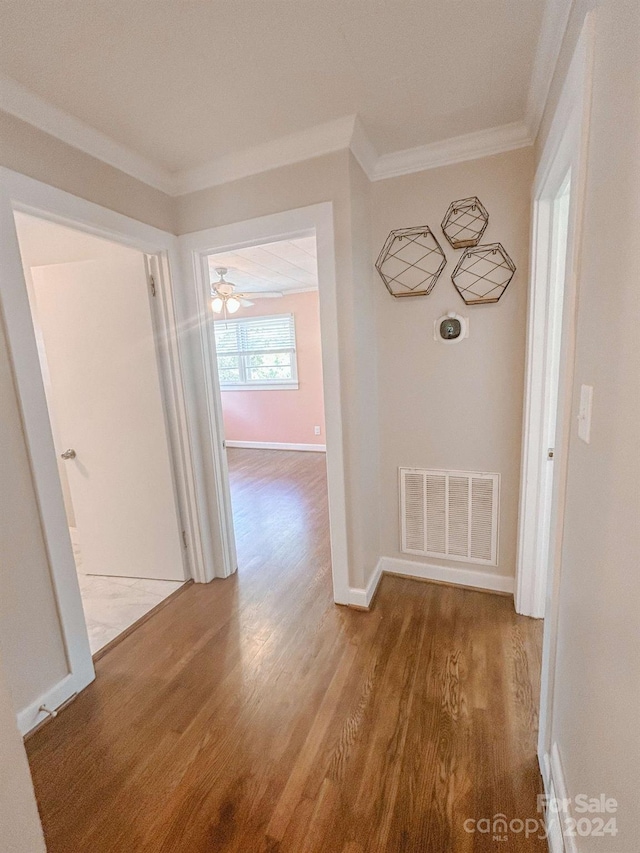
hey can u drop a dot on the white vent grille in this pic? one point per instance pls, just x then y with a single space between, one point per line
450 514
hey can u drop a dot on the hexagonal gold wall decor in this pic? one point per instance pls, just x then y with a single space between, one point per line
483 274
465 222
410 261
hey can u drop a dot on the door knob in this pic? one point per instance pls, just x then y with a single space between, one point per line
69 454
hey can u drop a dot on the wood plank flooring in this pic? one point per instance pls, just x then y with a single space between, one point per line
252 714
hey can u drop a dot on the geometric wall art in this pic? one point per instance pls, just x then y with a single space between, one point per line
465 222
483 274
411 261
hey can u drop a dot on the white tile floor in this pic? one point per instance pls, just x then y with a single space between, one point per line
112 604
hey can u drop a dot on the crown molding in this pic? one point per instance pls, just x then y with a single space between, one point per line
363 150
294 148
471 146
554 26
350 133
341 134
20 102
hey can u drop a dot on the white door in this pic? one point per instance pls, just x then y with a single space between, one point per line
95 329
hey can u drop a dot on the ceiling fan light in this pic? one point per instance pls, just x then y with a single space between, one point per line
217 305
232 304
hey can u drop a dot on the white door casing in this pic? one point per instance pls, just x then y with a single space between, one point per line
315 220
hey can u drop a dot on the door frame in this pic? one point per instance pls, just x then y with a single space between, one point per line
314 220
565 152
21 193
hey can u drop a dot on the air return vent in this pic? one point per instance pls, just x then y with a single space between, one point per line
450 514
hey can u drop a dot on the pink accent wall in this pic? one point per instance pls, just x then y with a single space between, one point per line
285 417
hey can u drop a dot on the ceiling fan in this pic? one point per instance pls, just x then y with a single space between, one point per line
225 299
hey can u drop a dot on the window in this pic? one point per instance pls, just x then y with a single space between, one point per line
257 352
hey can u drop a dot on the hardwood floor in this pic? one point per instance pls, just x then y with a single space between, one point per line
252 714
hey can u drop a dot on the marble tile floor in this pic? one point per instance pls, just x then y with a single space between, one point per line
112 604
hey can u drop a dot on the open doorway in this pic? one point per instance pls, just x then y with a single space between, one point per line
266 316
90 306
196 248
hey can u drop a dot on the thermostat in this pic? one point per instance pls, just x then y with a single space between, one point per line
451 328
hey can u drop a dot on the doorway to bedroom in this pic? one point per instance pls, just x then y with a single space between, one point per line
266 317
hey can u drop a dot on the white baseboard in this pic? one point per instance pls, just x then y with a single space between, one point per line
274 445
555 788
425 571
448 574
31 716
363 597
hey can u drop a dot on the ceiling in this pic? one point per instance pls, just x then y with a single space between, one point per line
288 265
184 82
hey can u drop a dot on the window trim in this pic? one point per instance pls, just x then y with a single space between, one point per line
268 384
261 386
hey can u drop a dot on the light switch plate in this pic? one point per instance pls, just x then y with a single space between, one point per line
584 413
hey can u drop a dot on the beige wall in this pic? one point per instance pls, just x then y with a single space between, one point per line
457 407
597 674
20 830
321 179
30 636
28 150
361 382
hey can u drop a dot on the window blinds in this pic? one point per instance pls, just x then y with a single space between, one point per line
255 335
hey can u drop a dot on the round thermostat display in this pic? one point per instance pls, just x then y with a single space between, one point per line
450 329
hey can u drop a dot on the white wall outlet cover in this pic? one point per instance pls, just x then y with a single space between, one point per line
451 328
584 413
316 430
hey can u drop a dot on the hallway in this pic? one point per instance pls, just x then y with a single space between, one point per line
253 714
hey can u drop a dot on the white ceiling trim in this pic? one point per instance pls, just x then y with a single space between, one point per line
363 150
349 133
20 102
471 146
341 134
554 26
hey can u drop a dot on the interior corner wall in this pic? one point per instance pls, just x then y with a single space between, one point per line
596 678
454 406
285 415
